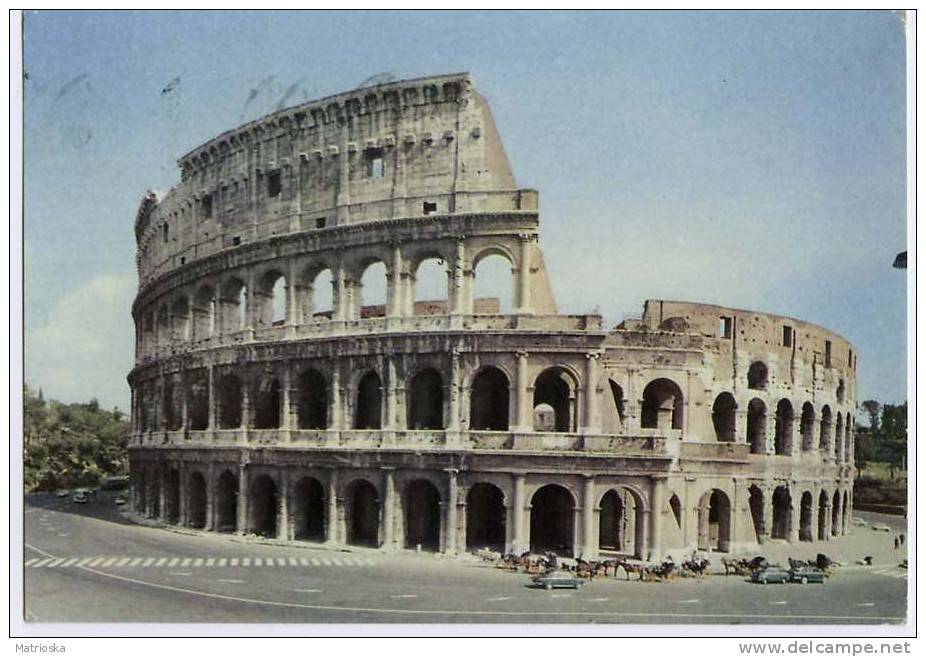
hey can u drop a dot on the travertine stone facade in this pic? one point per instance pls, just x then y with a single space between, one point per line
449 424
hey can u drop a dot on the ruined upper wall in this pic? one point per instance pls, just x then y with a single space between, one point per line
404 149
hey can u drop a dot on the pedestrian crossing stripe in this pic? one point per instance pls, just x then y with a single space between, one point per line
215 562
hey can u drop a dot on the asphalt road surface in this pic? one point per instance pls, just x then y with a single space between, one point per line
85 563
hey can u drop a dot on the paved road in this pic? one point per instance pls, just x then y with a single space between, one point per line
85 563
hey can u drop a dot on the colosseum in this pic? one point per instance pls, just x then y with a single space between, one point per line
269 397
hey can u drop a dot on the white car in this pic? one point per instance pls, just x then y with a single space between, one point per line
63 493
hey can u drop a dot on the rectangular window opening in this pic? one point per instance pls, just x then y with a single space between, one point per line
320 222
274 183
725 327
787 336
375 165
429 207
207 206
828 354
236 240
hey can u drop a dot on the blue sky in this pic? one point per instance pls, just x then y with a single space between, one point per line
752 159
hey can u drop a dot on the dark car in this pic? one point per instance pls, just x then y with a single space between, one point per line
808 576
558 579
771 575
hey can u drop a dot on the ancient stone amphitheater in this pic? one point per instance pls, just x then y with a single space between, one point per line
269 398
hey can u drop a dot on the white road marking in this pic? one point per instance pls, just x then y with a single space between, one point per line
198 562
109 562
222 562
160 562
258 561
148 562
326 562
210 562
70 562
186 562
246 561
779 602
55 563
369 562
122 562
173 562
234 562
182 574
63 535
96 561
232 581
43 562
281 561
31 561
307 590
303 561
134 562
498 599
84 561
865 604
688 602
315 562
561 595
407 595
293 562
337 562
599 600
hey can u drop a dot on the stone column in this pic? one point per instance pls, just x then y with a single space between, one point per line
395 292
331 533
768 516
657 496
524 274
815 514
286 421
794 525
589 548
336 420
162 494
213 411
283 507
389 501
591 422
210 497
458 283
450 534
242 524
519 542
183 511
453 388
292 298
523 403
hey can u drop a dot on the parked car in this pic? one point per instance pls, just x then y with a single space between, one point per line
80 497
771 574
808 576
63 493
880 527
558 579
121 500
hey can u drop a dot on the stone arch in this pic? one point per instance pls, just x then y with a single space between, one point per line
371 289
662 406
755 426
425 400
226 503
784 428
805 532
485 517
620 521
841 391
368 413
826 428
808 420
724 417
196 500
838 446
162 327
757 511
263 501
556 387
171 405
494 283
228 401
270 299
268 403
757 377
552 520
429 282
617 395
422 515
362 513
781 513
714 521
308 509
233 305
489 408
180 318
198 401
203 312
823 508
837 513
312 394
315 293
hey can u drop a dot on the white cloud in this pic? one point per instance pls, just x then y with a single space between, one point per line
84 348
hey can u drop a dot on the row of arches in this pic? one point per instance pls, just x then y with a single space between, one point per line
814 435
757 379
808 518
318 293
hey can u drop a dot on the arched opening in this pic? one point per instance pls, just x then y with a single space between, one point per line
203 313
362 514
371 292
228 402
835 529
173 417
271 299
488 408
805 531
313 400
163 327
308 510
714 522
807 424
826 428
268 404
493 289
823 509
198 402
552 511
430 286
757 377
554 387
837 452
841 391
180 319
845 512
172 497
317 297
422 515
757 511
724 417
784 428
485 518
662 405
426 400
262 516
233 306
675 505
781 513
226 503
196 501
369 410
620 522
755 426
617 394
